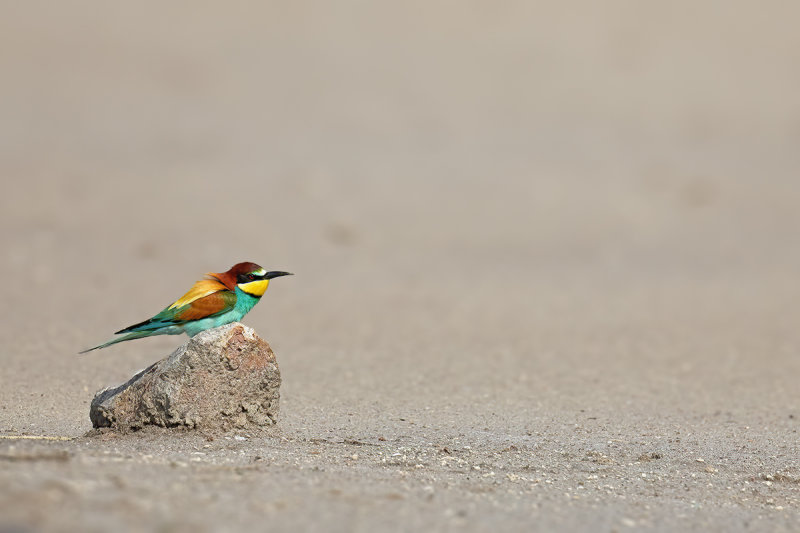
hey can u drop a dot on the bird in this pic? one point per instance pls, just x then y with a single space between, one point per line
218 299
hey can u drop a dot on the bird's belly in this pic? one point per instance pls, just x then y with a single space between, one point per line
195 327
244 303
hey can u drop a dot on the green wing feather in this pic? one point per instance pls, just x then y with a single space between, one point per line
208 306
207 298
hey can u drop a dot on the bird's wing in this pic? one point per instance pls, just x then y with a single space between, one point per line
214 304
207 298
202 288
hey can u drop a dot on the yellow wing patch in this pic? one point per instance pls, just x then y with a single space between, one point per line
202 288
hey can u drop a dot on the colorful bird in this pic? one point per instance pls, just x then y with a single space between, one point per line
215 301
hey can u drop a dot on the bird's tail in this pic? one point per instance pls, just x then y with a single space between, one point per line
128 337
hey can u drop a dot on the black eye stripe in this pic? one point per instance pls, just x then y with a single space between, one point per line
244 278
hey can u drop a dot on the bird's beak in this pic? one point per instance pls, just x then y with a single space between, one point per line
270 275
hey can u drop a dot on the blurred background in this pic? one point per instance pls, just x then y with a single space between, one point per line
547 239
534 204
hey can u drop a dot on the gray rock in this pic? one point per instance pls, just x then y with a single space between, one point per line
222 378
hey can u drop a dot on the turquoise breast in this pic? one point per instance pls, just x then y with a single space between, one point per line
244 303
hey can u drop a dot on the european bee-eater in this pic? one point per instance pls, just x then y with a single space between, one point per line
215 301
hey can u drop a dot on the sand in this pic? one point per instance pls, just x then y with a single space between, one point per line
545 256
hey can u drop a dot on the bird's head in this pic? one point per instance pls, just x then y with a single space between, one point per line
249 277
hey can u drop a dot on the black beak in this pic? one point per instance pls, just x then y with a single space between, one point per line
270 275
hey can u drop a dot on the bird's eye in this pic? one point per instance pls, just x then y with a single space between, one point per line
251 277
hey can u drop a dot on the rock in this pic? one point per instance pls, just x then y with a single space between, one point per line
222 378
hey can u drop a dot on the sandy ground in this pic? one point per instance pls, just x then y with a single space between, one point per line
546 261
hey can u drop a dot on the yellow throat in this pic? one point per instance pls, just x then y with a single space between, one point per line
255 288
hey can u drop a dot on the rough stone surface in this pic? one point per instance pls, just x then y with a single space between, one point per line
222 378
